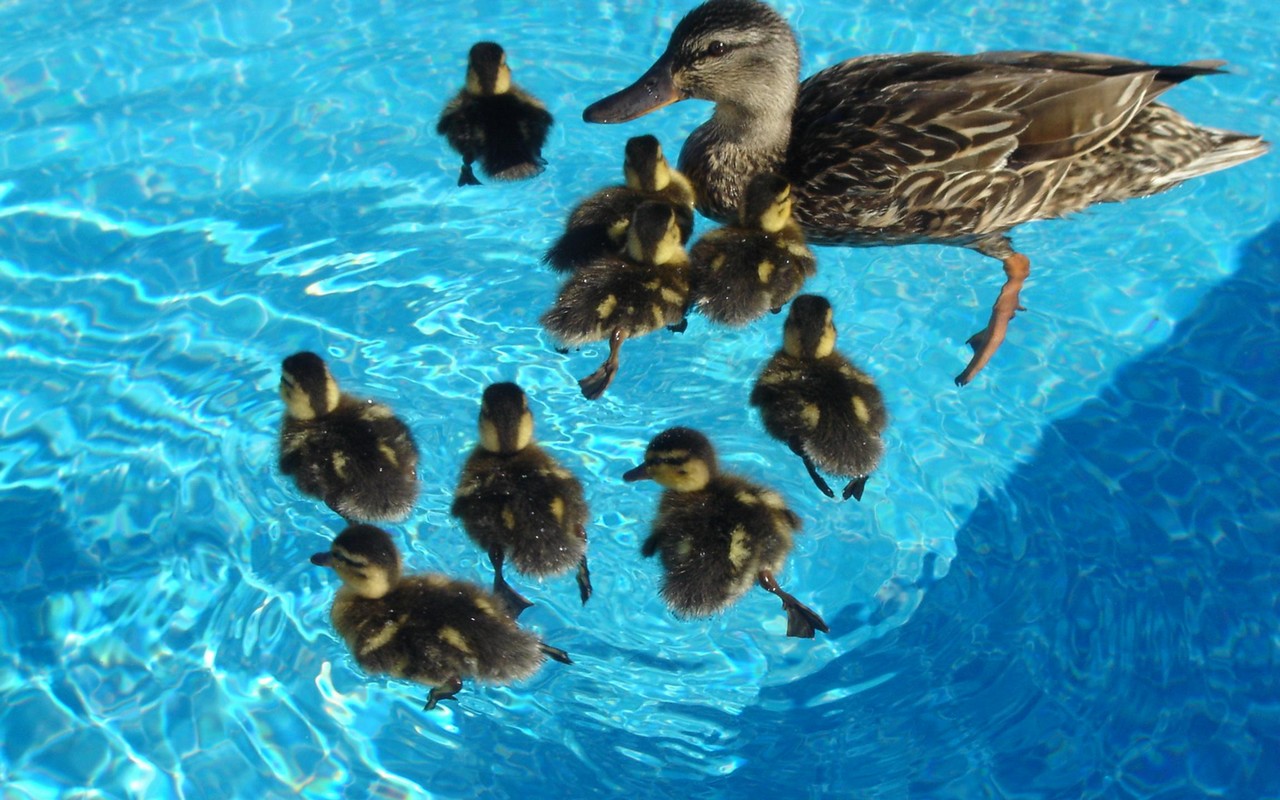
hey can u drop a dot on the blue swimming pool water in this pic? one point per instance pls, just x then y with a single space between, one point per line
1061 583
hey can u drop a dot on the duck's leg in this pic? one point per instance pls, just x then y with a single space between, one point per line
679 327
444 692
555 653
818 480
515 603
584 574
801 620
594 384
854 488
467 177
986 341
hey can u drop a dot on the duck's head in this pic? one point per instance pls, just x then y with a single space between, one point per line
766 204
487 70
645 167
732 52
678 458
654 235
506 423
809 331
365 558
306 386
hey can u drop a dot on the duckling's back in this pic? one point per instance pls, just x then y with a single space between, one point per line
525 503
737 274
614 294
430 629
360 459
713 543
504 131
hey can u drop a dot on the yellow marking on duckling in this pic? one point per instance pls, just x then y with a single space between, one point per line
659 315
339 461
773 500
557 508
747 498
388 632
454 638
672 296
861 411
651 285
485 607
508 518
718 261
684 547
765 270
618 230
798 249
607 306
389 452
562 473
436 581
809 415
376 411
739 551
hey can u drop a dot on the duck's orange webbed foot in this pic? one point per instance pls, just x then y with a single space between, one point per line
986 341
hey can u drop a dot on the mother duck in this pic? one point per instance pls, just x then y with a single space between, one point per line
925 147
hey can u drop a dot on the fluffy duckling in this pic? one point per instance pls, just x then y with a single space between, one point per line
598 226
828 411
717 533
516 500
423 628
621 297
738 272
353 454
495 121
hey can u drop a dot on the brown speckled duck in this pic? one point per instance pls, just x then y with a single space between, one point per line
495 122
924 147
424 628
597 227
739 272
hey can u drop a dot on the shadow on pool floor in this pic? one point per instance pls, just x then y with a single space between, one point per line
1109 625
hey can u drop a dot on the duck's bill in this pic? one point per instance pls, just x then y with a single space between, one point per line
322 559
655 89
640 473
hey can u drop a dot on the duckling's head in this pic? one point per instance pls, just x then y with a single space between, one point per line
766 204
654 235
678 458
506 423
306 386
645 167
365 558
733 52
809 331
487 70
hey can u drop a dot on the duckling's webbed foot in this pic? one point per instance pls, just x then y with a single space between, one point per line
986 341
555 653
584 581
515 603
444 692
679 327
854 488
593 385
801 620
467 176
818 480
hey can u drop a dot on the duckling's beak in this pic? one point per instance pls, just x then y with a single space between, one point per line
640 473
655 89
324 559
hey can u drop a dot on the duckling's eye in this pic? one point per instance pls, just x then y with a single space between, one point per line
715 50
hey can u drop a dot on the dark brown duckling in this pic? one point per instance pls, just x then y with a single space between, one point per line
353 454
516 501
829 412
423 628
717 534
494 121
738 272
621 297
597 227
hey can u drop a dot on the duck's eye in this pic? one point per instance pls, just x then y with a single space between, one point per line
715 50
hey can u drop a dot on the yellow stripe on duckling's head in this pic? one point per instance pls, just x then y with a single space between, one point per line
487 70
810 331
506 423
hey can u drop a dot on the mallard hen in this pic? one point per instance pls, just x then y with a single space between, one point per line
924 147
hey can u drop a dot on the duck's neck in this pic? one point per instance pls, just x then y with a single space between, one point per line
726 151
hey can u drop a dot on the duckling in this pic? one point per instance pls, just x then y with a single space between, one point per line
423 628
495 121
717 533
738 272
621 297
353 454
829 412
598 226
515 499
924 147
